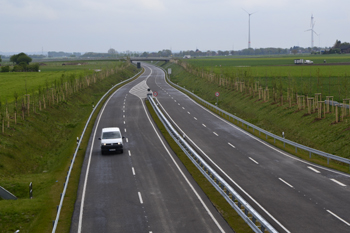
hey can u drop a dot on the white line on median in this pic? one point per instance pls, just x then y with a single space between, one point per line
253 160
140 197
286 183
338 217
231 145
313 169
216 134
133 170
338 182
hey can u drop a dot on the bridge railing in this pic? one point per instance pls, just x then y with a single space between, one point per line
267 133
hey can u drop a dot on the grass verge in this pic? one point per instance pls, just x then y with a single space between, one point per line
228 213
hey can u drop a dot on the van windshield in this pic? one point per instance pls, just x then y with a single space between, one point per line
111 135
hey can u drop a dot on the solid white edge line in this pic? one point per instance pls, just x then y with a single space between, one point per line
313 169
183 175
286 183
338 217
140 197
133 170
340 183
228 177
231 145
253 160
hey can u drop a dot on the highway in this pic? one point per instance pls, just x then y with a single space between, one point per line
145 189
292 195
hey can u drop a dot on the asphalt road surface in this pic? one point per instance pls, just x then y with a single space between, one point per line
292 195
145 189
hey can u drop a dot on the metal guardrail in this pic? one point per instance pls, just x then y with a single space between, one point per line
55 222
268 134
246 211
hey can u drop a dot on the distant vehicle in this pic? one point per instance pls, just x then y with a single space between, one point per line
298 61
301 61
187 56
309 62
111 140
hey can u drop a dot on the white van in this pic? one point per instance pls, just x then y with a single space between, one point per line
111 140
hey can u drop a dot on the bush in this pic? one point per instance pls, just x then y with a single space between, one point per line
5 69
23 67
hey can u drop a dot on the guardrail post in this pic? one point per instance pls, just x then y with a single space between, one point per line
310 154
274 140
296 150
284 144
327 160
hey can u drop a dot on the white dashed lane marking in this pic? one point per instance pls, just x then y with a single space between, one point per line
140 197
133 170
216 134
286 183
204 125
253 160
194 118
338 217
183 108
129 152
313 169
188 112
231 145
341 184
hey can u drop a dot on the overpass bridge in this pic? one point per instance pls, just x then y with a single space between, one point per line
167 59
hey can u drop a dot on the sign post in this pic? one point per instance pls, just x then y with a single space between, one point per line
169 72
217 94
155 94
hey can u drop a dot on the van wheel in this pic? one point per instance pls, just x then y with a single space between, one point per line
121 151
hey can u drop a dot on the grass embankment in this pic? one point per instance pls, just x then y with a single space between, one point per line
228 213
298 126
39 150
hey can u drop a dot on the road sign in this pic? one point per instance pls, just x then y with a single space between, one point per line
155 93
169 70
217 94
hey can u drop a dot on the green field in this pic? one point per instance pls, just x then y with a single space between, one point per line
51 72
330 80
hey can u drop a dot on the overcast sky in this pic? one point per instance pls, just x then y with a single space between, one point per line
153 25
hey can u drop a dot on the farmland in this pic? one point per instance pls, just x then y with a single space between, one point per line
51 72
330 79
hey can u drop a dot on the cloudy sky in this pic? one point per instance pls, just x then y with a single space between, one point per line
153 25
